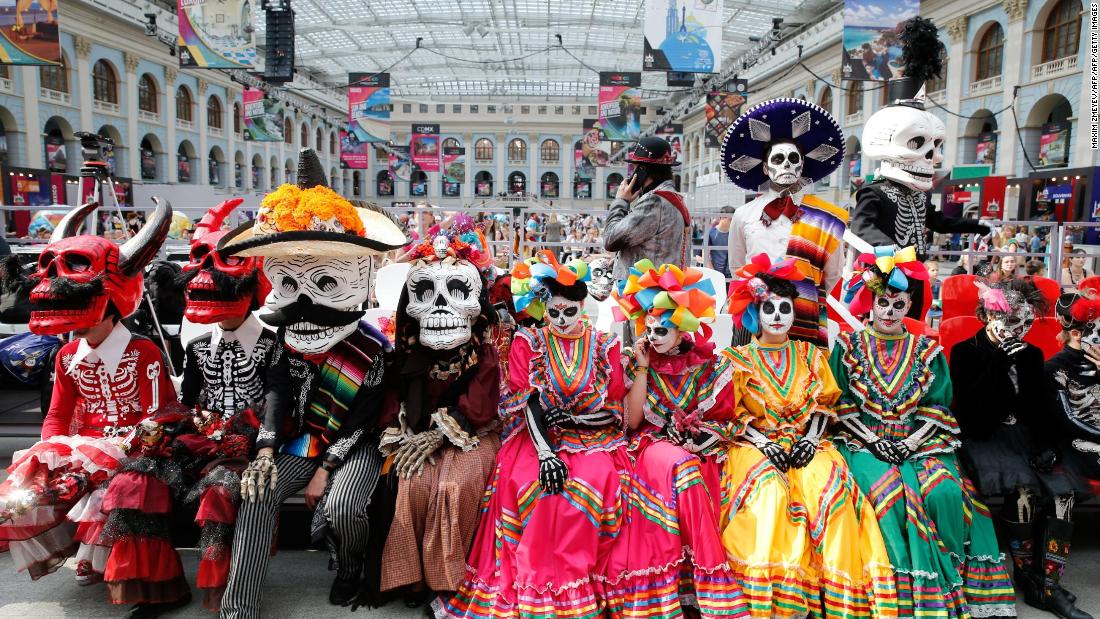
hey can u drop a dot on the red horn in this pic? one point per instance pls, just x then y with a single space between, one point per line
212 220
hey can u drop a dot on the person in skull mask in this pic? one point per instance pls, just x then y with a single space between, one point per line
601 266
323 387
780 148
106 382
832 561
441 400
535 552
678 406
894 411
1009 445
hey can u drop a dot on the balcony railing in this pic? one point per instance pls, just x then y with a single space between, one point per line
105 106
991 84
6 85
854 118
185 124
151 117
55 96
1054 68
215 131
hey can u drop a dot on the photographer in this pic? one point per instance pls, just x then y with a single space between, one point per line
648 218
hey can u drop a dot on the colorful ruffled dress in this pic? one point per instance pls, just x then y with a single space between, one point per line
939 535
538 554
669 552
806 540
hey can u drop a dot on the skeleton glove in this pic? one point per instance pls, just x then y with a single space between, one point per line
1012 346
556 417
260 475
802 452
885 450
552 474
410 457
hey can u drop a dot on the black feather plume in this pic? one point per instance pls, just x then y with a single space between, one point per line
920 50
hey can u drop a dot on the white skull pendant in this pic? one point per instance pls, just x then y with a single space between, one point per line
444 298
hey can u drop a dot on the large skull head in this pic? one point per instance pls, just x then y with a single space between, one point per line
317 299
445 298
602 281
662 338
79 275
783 164
888 310
908 142
220 287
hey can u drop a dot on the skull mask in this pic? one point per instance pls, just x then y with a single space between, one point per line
888 310
317 299
1090 334
908 142
662 339
783 165
563 315
79 275
220 287
776 314
602 281
445 298
1015 324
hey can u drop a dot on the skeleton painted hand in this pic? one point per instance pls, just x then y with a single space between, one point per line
556 416
774 451
261 475
673 434
803 452
410 457
886 451
552 474
1012 346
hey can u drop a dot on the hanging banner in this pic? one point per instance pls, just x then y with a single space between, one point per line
454 164
683 35
401 163
216 34
582 189
620 111
871 45
993 196
354 155
986 150
1054 144
263 118
29 33
722 109
594 151
56 158
425 147
368 107
673 133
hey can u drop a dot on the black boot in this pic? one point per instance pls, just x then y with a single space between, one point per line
1021 546
343 591
1055 552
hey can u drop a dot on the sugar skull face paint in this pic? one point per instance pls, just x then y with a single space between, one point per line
888 310
776 314
563 315
662 339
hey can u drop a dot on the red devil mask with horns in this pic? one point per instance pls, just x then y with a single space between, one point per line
80 276
220 287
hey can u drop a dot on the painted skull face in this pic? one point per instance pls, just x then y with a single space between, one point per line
888 310
1090 334
316 299
564 315
1014 325
662 339
908 142
784 164
776 314
602 281
444 297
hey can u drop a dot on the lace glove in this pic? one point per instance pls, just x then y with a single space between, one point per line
414 451
261 475
552 474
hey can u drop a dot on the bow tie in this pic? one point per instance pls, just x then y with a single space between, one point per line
782 205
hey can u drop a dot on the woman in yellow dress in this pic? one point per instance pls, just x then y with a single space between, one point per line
800 536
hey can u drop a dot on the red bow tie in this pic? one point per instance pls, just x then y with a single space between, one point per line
782 205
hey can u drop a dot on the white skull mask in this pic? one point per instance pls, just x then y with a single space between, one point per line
444 297
1090 334
1014 325
661 339
888 310
784 164
563 315
305 287
908 142
602 281
776 314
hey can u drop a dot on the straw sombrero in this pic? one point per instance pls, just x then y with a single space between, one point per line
310 219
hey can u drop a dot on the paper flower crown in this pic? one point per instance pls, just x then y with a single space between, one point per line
528 290
318 208
886 268
749 291
681 298
462 241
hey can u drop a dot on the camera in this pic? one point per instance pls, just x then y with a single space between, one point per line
93 145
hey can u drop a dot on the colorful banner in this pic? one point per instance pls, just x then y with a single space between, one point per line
28 32
986 150
263 118
594 151
683 35
56 157
993 196
1054 144
183 168
216 34
620 111
673 133
871 45
722 109
454 165
354 155
582 189
401 164
148 164
425 147
369 96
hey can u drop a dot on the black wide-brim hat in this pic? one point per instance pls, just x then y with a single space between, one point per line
809 126
653 151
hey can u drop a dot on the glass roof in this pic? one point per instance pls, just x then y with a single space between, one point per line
461 37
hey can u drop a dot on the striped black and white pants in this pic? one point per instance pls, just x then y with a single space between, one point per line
345 508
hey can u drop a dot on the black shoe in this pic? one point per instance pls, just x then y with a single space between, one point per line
1060 605
150 610
1069 594
344 590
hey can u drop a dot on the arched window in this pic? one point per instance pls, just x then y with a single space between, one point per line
854 98
214 113
214 168
550 151
183 104
304 138
104 82
183 165
937 84
1063 31
384 183
991 52
147 94
548 185
356 181
613 182
236 117
827 99
517 150
418 183
288 131
483 150
451 143
319 140
517 182
332 143
54 77
148 160
483 184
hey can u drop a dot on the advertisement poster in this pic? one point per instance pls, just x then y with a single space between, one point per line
871 46
263 118
722 109
483 186
183 168
385 183
683 35
582 189
148 164
549 187
401 164
354 155
1054 144
986 150
31 188
673 133
425 147
454 164
369 96
29 33
620 105
56 159
594 151
993 196
216 34
451 189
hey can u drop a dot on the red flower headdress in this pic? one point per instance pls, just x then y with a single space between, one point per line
749 291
